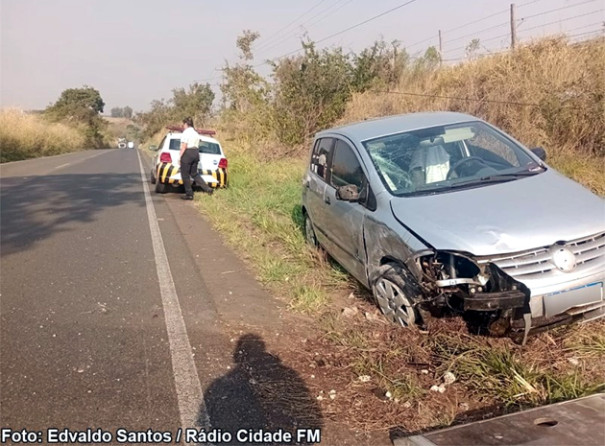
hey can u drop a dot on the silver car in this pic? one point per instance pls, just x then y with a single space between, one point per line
443 210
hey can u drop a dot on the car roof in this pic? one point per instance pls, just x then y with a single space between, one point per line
202 137
377 127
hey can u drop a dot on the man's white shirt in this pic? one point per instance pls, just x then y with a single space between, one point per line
191 137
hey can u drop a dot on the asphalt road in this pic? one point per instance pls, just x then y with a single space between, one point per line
118 307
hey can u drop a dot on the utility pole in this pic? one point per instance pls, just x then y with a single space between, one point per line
440 49
513 27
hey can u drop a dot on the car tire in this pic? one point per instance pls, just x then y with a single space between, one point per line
152 177
160 188
310 232
395 295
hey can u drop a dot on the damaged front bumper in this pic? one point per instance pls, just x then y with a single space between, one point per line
502 300
462 283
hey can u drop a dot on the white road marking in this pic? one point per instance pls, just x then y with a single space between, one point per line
62 165
188 388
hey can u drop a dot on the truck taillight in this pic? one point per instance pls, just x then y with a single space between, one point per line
165 157
222 164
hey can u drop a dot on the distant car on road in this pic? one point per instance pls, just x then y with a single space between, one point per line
131 144
165 171
443 210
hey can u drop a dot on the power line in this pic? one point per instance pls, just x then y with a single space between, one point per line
476 21
367 21
528 3
478 32
293 21
506 35
557 9
473 23
461 26
347 29
562 20
338 8
602 24
327 15
271 39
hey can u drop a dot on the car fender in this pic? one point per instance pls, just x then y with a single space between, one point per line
385 244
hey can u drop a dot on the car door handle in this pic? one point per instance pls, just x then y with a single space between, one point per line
327 200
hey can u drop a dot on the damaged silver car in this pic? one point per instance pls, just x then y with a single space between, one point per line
442 210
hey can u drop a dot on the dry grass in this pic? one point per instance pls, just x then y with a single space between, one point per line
553 94
382 375
25 136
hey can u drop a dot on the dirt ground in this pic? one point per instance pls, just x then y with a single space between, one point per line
374 381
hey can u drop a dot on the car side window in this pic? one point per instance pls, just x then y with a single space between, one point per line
321 157
346 168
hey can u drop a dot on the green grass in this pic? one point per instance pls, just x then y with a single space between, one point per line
260 214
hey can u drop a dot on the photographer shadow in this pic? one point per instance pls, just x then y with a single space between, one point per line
260 393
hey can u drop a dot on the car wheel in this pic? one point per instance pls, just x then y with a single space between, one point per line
160 188
310 232
395 295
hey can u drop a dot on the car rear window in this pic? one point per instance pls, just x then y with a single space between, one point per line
210 148
175 144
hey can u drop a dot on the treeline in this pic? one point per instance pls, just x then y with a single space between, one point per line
307 92
121 112
196 102
72 123
548 93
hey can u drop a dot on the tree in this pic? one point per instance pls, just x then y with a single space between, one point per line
81 107
311 92
77 104
246 94
127 112
379 66
195 102
472 48
117 112
243 88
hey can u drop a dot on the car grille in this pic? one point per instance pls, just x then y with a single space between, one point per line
537 263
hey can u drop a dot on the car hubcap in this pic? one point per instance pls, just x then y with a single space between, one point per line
394 304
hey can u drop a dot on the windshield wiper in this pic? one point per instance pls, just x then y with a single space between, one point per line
498 178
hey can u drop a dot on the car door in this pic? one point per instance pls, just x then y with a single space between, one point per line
316 187
344 219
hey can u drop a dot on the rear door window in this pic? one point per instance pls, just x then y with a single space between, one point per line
321 157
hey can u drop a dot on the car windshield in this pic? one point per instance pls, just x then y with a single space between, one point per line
446 158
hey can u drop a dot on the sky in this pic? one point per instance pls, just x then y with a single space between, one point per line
137 51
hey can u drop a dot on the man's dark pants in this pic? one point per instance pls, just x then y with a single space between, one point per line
189 162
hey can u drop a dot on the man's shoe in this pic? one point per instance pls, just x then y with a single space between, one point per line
210 191
186 197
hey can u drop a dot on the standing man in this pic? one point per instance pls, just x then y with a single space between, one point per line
190 157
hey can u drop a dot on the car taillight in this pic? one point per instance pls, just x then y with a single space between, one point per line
222 164
165 157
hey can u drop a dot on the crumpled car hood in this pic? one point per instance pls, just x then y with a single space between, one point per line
503 218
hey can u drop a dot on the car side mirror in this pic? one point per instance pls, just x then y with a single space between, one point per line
348 192
539 152
153 147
